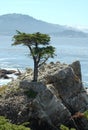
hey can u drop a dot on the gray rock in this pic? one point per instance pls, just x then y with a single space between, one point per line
69 85
45 106
4 72
77 69
60 95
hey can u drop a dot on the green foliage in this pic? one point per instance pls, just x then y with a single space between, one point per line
34 42
63 127
31 39
6 125
72 129
30 93
25 124
86 114
44 51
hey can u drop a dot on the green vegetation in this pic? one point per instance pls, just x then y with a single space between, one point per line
39 47
77 115
30 93
63 127
86 114
6 125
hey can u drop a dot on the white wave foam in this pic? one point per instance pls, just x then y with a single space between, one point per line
3 59
5 81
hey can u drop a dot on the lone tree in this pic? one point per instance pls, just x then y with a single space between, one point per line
39 47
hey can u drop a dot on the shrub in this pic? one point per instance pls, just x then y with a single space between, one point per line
6 125
63 127
30 93
86 114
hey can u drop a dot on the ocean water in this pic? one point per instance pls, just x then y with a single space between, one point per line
67 50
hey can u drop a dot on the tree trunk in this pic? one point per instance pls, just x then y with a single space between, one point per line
35 76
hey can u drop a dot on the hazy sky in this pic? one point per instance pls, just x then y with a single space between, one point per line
64 12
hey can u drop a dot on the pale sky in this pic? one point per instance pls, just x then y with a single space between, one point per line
63 12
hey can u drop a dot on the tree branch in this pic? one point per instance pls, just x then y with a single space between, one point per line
43 62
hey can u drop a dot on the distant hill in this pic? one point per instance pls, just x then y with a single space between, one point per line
70 33
9 23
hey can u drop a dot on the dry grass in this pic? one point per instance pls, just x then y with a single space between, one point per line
3 89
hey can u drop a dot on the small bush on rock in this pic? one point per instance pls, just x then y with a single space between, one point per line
30 93
63 127
86 114
6 125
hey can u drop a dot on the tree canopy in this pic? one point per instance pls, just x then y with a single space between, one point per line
39 47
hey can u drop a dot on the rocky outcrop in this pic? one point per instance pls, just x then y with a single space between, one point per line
77 69
4 73
68 83
53 101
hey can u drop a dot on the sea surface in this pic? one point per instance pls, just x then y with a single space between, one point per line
67 50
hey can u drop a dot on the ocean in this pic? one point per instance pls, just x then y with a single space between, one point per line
68 50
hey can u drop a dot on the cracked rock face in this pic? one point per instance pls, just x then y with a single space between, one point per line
52 101
69 85
45 106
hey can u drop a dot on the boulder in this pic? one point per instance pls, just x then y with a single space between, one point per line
77 69
7 71
42 108
68 83
4 73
